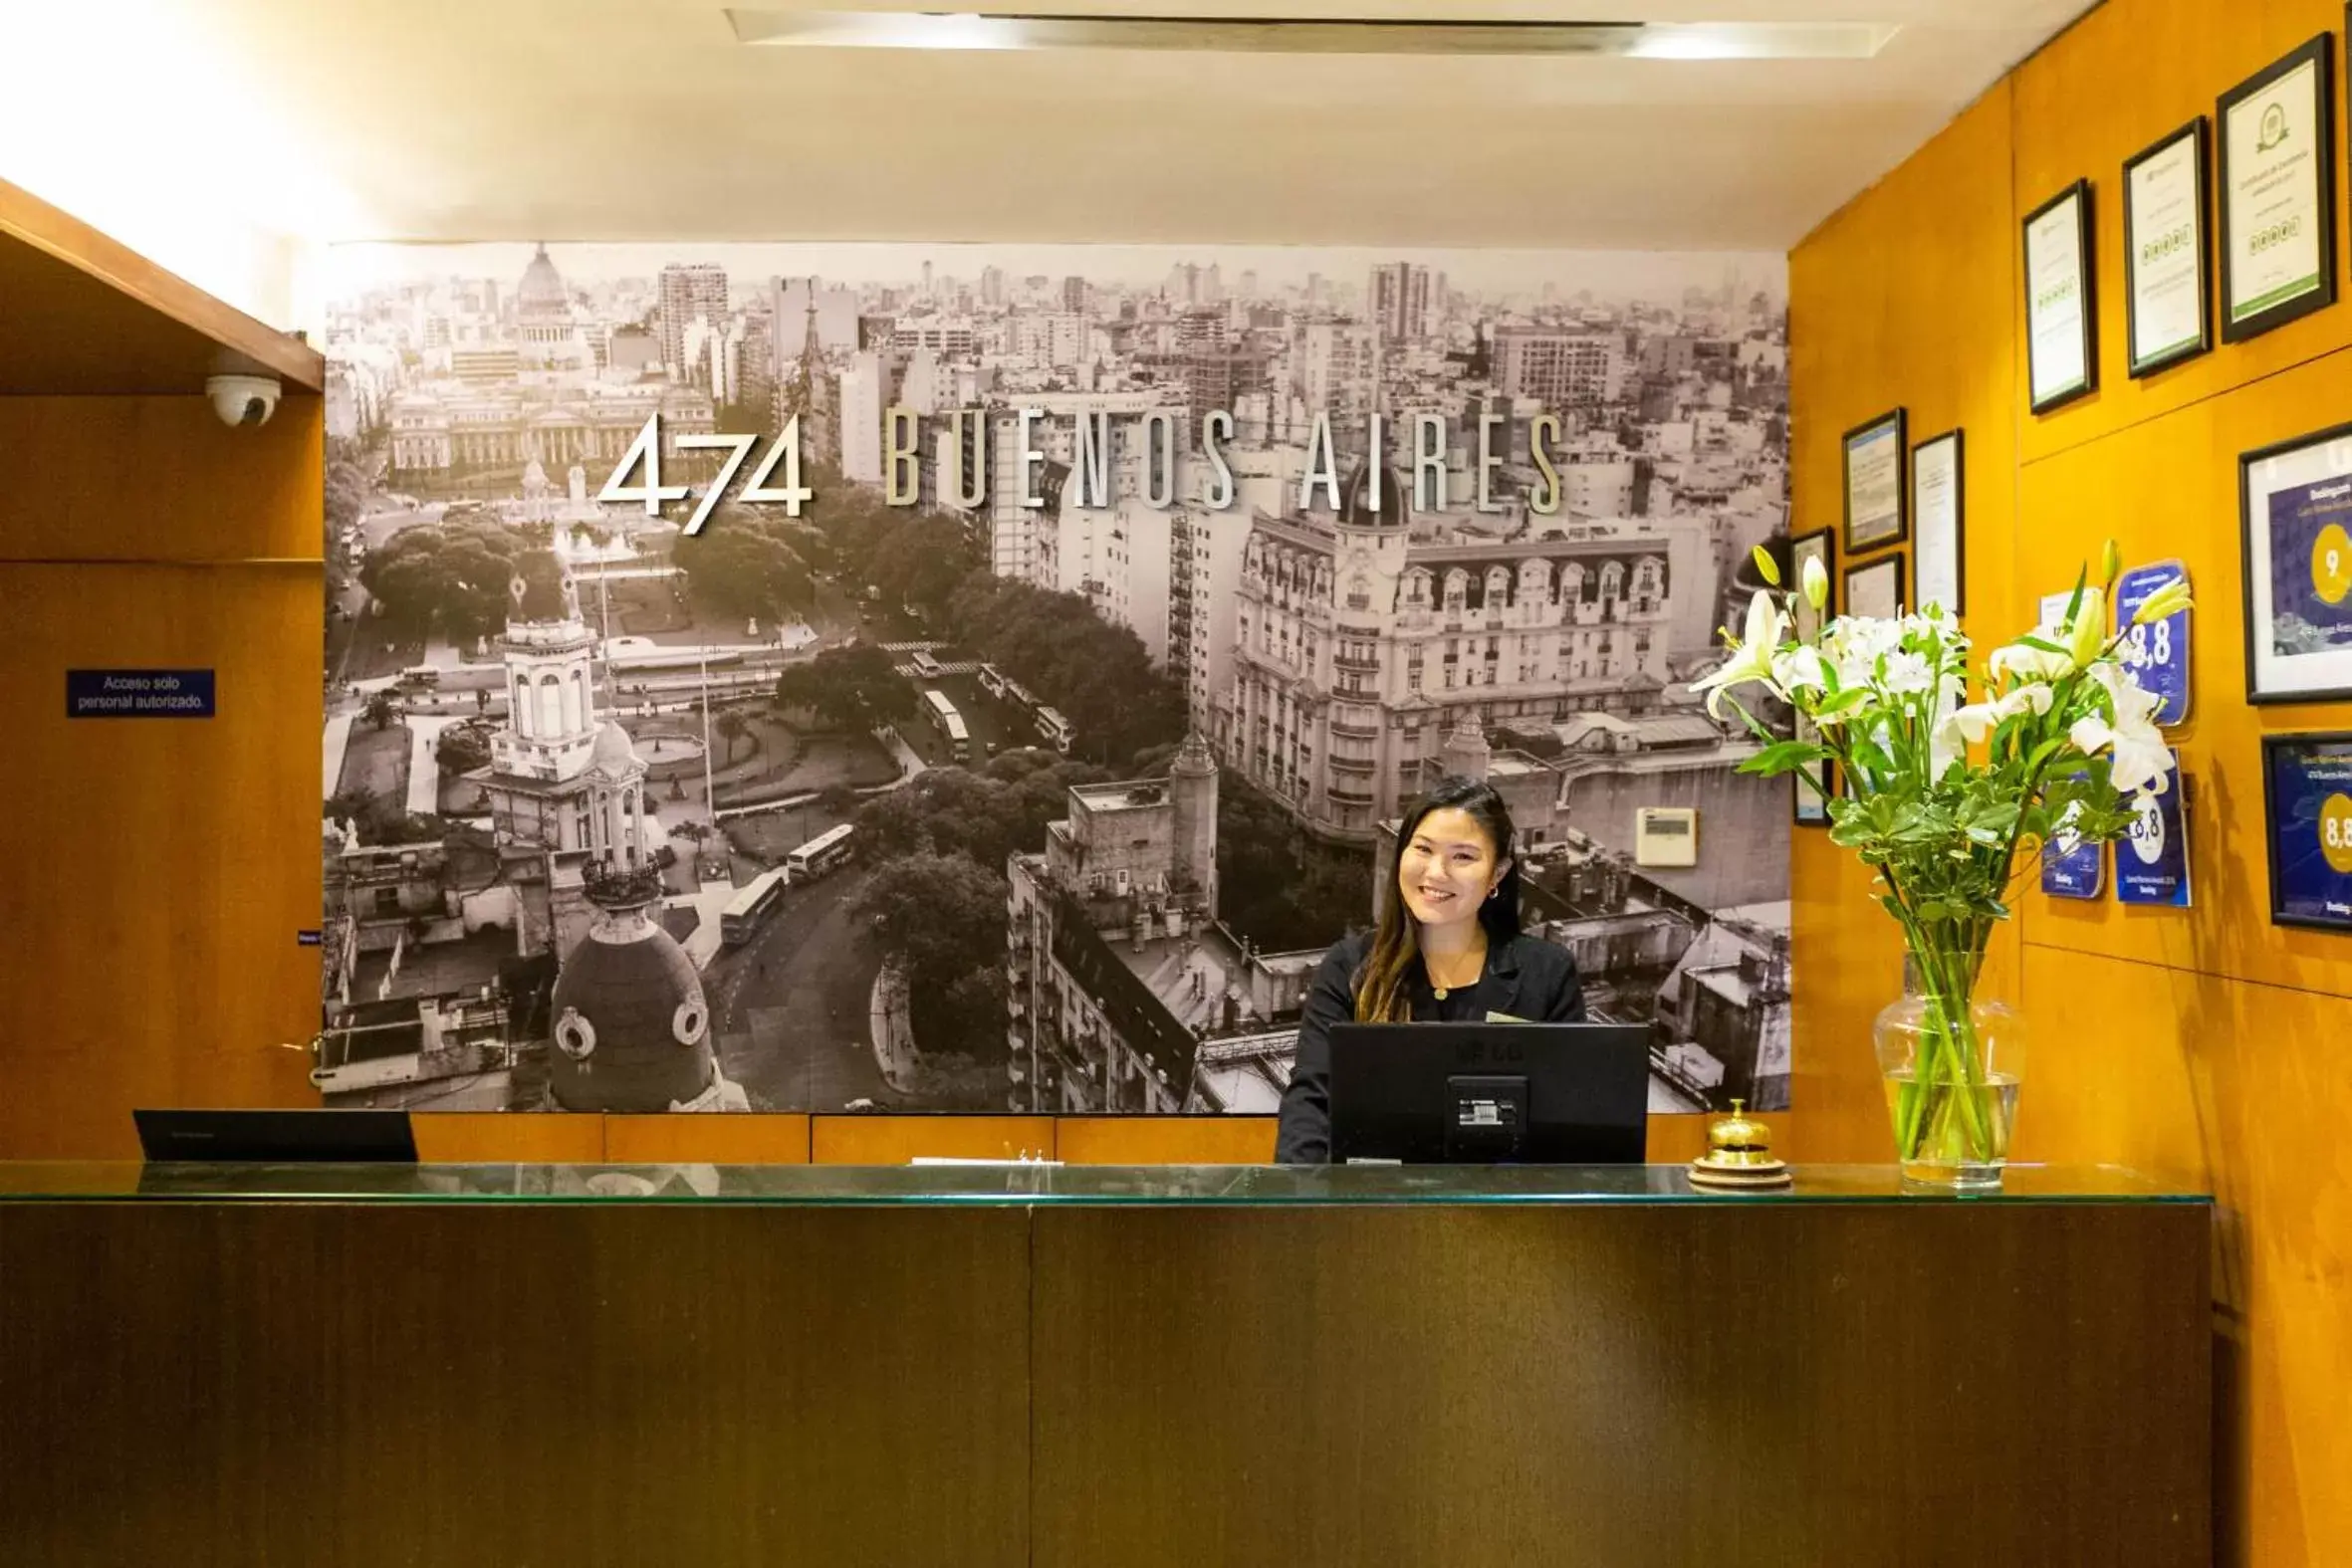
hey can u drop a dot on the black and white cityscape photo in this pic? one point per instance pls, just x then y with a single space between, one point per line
1032 762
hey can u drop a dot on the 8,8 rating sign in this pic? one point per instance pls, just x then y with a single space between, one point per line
2157 656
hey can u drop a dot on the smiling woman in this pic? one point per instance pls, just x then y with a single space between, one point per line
1447 947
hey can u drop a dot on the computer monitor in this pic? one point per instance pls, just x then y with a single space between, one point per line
276 1137
1490 1093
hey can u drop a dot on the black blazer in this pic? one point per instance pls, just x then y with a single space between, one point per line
1527 978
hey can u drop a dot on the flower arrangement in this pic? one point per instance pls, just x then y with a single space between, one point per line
1954 784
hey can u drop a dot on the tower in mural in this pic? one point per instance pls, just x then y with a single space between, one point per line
1192 790
809 398
566 788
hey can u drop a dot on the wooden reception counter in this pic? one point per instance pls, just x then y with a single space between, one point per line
980 1366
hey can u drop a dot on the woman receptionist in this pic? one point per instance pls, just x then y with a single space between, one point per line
1447 947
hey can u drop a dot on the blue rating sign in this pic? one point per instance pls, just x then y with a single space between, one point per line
2156 655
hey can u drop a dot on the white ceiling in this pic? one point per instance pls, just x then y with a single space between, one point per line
628 119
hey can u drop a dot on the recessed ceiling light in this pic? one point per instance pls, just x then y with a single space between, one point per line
1304 35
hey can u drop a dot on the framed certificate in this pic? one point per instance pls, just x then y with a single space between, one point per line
1937 495
2165 244
2277 176
2295 535
2061 323
2308 795
1821 547
1875 513
1875 588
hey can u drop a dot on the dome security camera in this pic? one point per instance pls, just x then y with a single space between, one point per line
242 399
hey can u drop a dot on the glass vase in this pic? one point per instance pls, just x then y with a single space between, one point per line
1952 1059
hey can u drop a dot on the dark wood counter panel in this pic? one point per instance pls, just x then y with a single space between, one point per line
1104 1384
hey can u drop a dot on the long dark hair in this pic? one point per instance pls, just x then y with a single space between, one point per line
1396 940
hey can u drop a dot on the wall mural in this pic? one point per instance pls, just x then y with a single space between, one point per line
971 677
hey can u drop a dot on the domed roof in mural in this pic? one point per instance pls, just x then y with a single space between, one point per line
615 754
1355 498
631 1024
542 292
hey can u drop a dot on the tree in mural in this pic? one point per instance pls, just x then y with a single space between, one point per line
1096 673
733 727
746 565
451 576
941 920
852 688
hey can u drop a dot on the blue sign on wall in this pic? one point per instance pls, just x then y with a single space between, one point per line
2309 782
138 693
2071 869
2152 859
2156 655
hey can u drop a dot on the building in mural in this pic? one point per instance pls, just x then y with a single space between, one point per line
1122 973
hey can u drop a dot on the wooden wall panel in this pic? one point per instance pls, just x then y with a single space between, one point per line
159 479
2241 1086
894 1140
2124 76
2203 1043
736 1139
159 876
1164 1140
2169 489
90 317
508 1138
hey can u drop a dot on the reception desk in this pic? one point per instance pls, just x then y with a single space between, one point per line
1096 1368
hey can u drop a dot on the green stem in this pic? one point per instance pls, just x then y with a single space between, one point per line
1947 970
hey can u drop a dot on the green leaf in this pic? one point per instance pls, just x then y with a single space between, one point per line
1784 756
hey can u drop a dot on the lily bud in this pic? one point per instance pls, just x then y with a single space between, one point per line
2168 599
2111 565
2089 633
1817 582
1766 566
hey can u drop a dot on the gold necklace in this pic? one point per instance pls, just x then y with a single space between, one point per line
1441 991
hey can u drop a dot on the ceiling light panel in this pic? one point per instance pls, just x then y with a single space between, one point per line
936 30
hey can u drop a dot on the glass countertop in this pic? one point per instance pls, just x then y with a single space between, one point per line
1028 1184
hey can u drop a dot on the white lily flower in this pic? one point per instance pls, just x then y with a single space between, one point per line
1958 730
2141 760
1975 721
1907 673
1856 644
1752 655
2034 697
2028 663
1798 670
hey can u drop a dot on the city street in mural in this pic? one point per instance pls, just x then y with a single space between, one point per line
986 677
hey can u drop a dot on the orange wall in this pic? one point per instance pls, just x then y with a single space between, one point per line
2207 1044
